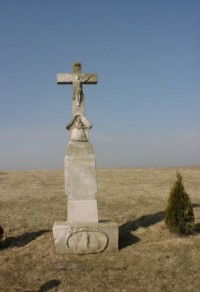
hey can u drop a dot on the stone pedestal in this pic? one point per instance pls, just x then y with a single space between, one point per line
82 233
85 238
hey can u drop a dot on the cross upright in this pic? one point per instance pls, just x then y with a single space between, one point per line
77 78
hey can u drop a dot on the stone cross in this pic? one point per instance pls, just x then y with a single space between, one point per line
77 78
82 233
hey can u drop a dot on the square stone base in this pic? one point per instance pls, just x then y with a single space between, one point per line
85 238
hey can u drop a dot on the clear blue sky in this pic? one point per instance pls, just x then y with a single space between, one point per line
145 109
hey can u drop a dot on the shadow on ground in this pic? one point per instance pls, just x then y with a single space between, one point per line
125 236
127 239
21 240
49 285
197 228
195 205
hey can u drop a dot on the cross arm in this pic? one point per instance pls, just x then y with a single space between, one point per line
88 78
67 78
64 78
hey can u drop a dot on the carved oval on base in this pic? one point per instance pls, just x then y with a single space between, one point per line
87 240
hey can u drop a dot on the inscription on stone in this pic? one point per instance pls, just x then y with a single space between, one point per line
87 240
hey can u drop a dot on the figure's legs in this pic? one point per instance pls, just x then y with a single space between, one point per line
78 99
79 95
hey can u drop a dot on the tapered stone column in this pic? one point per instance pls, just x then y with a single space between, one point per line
80 183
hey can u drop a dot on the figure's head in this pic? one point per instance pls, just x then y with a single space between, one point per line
76 67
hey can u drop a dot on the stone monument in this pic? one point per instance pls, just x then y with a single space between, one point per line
82 233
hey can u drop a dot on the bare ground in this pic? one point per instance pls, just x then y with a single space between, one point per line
149 257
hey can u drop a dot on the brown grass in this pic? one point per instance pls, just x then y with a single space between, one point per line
149 258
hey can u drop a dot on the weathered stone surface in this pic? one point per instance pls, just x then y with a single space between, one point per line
68 78
82 211
78 128
85 238
80 172
80 183
80 178
77 149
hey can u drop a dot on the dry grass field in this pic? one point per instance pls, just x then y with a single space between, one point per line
149 257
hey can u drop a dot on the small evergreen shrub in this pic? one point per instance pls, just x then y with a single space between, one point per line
179 215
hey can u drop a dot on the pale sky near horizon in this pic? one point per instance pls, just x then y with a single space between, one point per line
145 109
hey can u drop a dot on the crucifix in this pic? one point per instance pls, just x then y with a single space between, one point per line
82 232
77 78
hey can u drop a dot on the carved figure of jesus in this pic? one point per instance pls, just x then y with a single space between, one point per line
77 88
77 79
